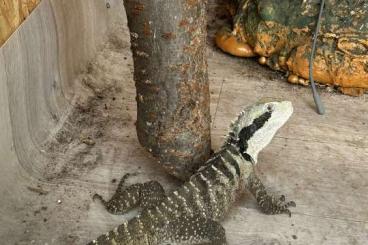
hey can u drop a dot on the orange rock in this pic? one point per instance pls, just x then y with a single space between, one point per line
352 91
282 61
293 78
341 57
327 69
268 43
262 60
230 44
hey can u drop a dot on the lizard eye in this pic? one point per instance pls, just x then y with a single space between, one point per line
270 108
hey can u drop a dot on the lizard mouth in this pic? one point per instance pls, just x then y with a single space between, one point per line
229 43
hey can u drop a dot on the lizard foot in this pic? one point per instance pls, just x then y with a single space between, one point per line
269 204
126 198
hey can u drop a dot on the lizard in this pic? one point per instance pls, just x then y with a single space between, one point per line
192 213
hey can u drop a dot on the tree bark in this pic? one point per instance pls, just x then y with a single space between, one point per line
168 41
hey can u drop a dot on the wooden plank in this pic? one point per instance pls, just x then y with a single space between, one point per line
37 70
12 14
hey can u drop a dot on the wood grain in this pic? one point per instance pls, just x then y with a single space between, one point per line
12 14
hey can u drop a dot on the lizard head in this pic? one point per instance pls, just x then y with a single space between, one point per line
256 125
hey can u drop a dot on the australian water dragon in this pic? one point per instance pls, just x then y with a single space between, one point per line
191 213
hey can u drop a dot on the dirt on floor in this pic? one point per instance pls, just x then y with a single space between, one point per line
100 110
101 119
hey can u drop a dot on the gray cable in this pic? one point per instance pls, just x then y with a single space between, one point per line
317 99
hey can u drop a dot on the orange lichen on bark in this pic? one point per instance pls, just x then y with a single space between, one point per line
230 44
12 14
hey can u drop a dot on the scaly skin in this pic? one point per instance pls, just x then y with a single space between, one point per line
191 214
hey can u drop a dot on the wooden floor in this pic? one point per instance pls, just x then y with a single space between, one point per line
320 162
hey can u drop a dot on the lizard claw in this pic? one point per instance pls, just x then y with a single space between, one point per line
291 204
98 197
272 205
283 207
282 198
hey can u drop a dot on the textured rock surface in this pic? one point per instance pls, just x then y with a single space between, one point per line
281 32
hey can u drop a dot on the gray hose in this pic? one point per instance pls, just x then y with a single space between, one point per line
316 97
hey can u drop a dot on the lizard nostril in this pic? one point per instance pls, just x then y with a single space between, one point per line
270 108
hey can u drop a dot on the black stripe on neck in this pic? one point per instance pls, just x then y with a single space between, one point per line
247 132
229 158
247 157
234 148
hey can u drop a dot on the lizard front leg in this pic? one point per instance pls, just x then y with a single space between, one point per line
268 203
126 198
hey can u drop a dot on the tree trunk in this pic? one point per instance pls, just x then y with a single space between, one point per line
168 41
